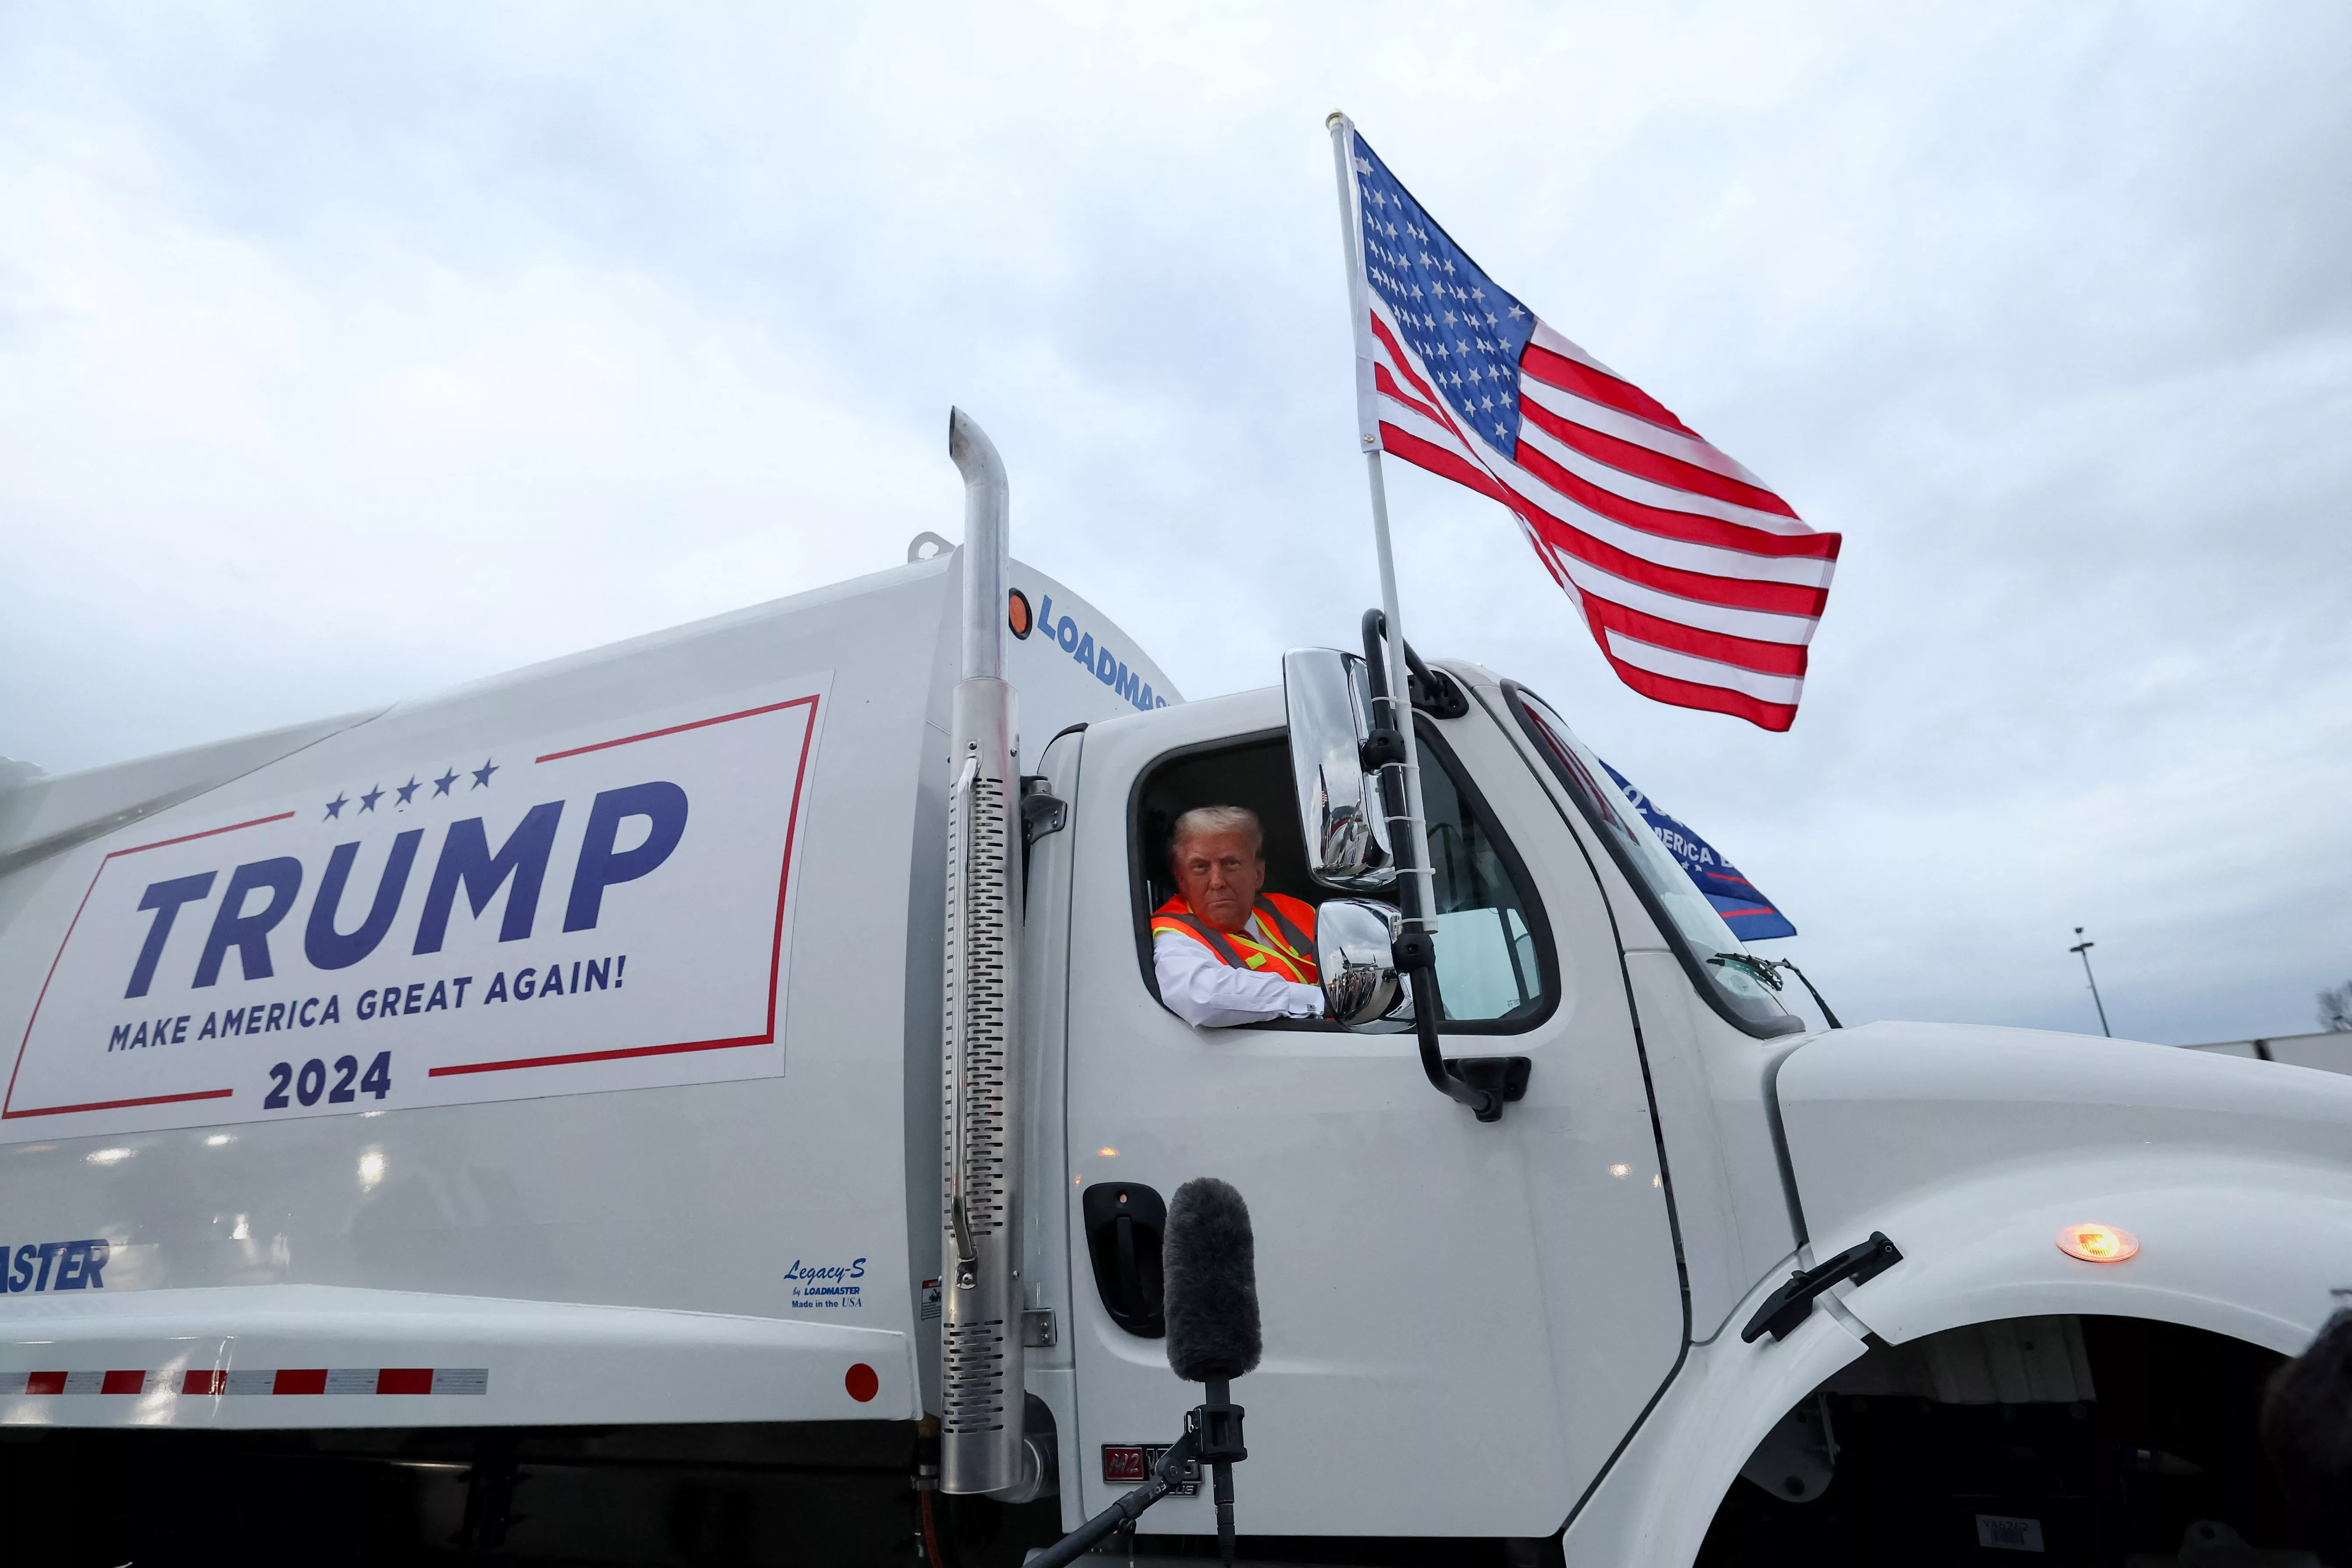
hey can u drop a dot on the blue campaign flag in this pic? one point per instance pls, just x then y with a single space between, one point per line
1746 910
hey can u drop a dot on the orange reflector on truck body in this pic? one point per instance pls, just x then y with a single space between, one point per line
2097 1243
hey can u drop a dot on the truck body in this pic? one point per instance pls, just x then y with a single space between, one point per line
557 1062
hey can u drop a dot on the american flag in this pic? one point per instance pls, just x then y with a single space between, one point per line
1700 584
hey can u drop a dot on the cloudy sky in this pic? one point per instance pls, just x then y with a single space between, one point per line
346 354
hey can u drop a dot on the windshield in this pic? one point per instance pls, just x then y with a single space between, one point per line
1691 923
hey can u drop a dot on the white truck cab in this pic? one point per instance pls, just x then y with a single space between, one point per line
519 1120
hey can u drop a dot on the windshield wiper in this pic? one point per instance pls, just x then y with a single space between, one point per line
1767 970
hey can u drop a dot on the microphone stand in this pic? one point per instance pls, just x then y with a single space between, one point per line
1213 1436
1165 1477
1215 1429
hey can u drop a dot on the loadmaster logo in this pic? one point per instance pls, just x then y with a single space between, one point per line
57 1266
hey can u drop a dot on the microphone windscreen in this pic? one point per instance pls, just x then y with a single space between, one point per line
1208 1262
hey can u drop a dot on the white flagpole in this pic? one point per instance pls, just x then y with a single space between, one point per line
1343 157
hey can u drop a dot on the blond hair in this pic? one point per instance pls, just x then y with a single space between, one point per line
1218 820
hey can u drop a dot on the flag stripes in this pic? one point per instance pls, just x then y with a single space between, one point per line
1700 584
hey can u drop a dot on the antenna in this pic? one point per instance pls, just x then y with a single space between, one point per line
2083 951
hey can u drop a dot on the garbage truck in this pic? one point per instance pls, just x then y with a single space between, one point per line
707 1099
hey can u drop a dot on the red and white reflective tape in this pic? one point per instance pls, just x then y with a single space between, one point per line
368 1380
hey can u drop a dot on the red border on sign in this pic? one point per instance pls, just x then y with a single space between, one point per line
776 946
8 1114
775 957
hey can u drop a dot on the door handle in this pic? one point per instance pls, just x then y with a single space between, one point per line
1123 1222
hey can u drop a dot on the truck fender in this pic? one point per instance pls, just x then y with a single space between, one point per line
2229 1242
1653 1503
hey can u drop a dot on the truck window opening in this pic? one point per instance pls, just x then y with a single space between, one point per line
1495 971
1683 917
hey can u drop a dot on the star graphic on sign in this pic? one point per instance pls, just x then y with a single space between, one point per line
441 785
405 790
335 806
367 800
482 774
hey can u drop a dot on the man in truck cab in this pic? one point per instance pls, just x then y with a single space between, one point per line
1227 951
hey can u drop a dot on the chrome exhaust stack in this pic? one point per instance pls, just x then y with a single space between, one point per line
983 1392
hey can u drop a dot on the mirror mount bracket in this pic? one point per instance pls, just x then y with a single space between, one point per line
1505 1076
1384 747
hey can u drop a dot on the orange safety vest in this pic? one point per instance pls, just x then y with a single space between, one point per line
1287 923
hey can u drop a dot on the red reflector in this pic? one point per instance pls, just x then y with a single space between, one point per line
204 1383
404 1380
124 1383
304 1380
1123 1463
862 1381
45 1383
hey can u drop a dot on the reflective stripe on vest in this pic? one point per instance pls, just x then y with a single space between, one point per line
1286 952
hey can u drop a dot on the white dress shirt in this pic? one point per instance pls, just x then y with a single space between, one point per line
1208 993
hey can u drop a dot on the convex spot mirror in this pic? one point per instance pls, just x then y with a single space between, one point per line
1329 703
1355 948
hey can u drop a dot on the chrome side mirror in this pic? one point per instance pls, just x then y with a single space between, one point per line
1329 704
1355 948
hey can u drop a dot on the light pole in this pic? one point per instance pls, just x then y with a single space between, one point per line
2083 950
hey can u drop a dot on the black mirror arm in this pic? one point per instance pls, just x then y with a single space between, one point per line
1416 950
1434 694
1417 957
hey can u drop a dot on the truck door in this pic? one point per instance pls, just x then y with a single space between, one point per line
1461 1321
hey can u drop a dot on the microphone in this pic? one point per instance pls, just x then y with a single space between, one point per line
1209 1302
1208 1261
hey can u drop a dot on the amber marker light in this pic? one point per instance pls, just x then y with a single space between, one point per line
2097 1243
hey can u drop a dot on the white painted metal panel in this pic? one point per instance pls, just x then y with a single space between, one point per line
1969 1148
317 1355
1482 1309
784 1196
